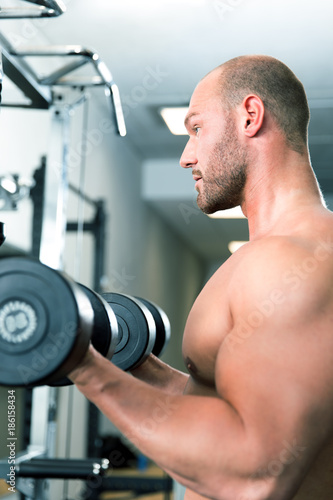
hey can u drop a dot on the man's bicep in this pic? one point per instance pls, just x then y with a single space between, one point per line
275 369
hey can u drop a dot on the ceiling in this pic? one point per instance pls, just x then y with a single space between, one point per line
158 50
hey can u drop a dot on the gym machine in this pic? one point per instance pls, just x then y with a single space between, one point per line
2 233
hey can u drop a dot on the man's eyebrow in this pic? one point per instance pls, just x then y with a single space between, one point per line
188 117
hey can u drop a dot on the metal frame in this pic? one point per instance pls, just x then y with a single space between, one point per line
33 468
20 73
2 233
96 226
37 197
40 90
84 55
45 8
56 191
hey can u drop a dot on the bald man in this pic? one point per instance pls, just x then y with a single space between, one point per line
253 418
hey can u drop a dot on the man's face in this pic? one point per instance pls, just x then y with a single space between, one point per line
214 152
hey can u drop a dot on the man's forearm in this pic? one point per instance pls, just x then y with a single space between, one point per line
161 375
162 426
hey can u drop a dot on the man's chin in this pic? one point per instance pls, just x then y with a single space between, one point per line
207 210
210 209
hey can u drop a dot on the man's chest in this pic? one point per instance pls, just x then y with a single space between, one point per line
207 325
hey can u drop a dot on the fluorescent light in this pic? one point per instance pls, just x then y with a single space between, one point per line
174 119
235 245
231 213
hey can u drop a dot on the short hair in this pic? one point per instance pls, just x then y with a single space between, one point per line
277 86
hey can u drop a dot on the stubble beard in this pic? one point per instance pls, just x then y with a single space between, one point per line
224 181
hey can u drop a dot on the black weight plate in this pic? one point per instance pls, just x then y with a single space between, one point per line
105 331
104 335
45 323
162 323
137 330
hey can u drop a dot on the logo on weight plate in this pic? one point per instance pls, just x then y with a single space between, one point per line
18 321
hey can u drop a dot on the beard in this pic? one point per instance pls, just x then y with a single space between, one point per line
224 181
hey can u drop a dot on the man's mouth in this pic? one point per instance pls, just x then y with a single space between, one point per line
197 177
197 183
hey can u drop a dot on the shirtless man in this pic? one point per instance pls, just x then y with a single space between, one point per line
253 419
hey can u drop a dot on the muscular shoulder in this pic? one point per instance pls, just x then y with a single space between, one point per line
276 253
277 269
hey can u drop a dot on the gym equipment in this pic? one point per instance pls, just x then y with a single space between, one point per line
45 8
36 467
60 468
137 330
47 322
104 333
163 328
2 233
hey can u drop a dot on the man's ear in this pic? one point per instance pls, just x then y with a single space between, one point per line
252 111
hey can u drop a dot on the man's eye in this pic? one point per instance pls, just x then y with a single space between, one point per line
196 129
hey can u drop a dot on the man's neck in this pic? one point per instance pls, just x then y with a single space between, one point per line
277 195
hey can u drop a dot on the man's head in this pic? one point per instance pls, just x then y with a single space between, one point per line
243 94
280 90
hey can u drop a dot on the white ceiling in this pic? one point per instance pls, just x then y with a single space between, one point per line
179 41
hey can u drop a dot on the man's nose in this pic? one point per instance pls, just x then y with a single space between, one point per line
189 157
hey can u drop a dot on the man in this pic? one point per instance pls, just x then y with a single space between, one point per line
253 420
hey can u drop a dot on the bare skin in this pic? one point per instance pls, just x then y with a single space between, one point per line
253 419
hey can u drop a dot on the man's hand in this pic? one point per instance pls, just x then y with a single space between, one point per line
159 374
88 362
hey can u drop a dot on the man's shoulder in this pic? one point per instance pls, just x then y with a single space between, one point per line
297 269
280 253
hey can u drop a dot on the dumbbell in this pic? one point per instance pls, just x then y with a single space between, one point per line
47 322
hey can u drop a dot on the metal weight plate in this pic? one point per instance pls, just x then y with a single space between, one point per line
137 332
162 323
104 335
105 332
45 323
